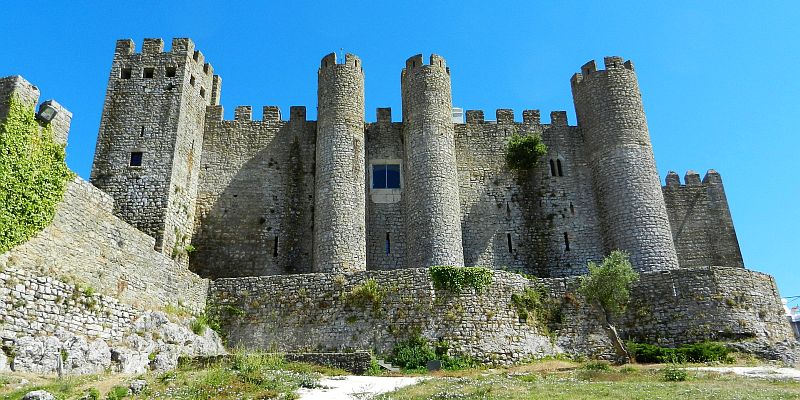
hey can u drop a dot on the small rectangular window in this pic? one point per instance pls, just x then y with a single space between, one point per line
386 176
202 93
149 72
191 80
171 72
136 159
125 73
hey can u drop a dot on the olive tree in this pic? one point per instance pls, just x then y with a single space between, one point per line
607 288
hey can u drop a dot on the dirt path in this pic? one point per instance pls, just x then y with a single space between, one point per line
355 387
766 372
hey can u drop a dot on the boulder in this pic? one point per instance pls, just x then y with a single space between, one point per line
39 395
38 355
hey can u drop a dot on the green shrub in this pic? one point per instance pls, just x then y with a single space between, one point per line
365 294
534 306
33 175
597 366
413 353
695 352
523 152
92 394
117 393
457 278
674 373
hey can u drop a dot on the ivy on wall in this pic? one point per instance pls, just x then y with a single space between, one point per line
33 175
523 152
457 278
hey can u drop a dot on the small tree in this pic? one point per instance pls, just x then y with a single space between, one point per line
607 287
523 152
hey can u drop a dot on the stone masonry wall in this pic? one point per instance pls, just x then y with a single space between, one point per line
87 244
339 216
311 312
519 220
386 234
702 227
611 116
433 226
256 195
155 104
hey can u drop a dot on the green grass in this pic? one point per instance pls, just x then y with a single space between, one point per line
579 382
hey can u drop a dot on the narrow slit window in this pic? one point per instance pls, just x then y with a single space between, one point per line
202 93
552 168
136 159
566 241
171 71
571 208
388 244
560 171
149 73
510 245
275 247
125 73
141 132
191 80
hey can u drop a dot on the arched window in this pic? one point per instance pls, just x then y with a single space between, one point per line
560 171
552 168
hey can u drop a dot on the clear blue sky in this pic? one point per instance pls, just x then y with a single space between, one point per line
719 79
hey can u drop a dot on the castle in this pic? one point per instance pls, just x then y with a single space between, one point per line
273 196
275 227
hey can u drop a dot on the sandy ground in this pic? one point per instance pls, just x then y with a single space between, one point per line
756 372
355 387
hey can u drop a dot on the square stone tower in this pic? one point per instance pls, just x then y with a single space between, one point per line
151 136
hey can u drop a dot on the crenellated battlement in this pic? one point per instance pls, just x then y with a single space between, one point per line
434 61
125 49
610 63
350 60
692 179
506 116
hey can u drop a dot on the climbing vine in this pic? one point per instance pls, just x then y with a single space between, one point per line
33 175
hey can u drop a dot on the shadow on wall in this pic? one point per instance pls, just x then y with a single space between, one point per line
255 199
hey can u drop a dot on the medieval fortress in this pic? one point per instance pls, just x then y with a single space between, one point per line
279 219
277 196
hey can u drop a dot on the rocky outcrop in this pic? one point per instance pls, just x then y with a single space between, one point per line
152 342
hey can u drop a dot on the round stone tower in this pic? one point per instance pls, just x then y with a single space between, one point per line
633 214
433 221
339 217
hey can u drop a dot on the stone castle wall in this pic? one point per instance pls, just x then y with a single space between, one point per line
313 313
611 116
155 105
339 213
701 222
256 195
88 245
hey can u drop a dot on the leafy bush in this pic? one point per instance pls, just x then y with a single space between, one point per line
533 305
596 366
117 393
457 278
695 352
523 152
33 176
674 373
367 293
92 394
413 353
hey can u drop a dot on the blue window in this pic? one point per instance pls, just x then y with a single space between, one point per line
386 176
136 159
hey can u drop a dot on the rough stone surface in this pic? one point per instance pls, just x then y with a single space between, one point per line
39 395
339 219
630 203
155 104
311 312
87 244
357 362
701 222
137 386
